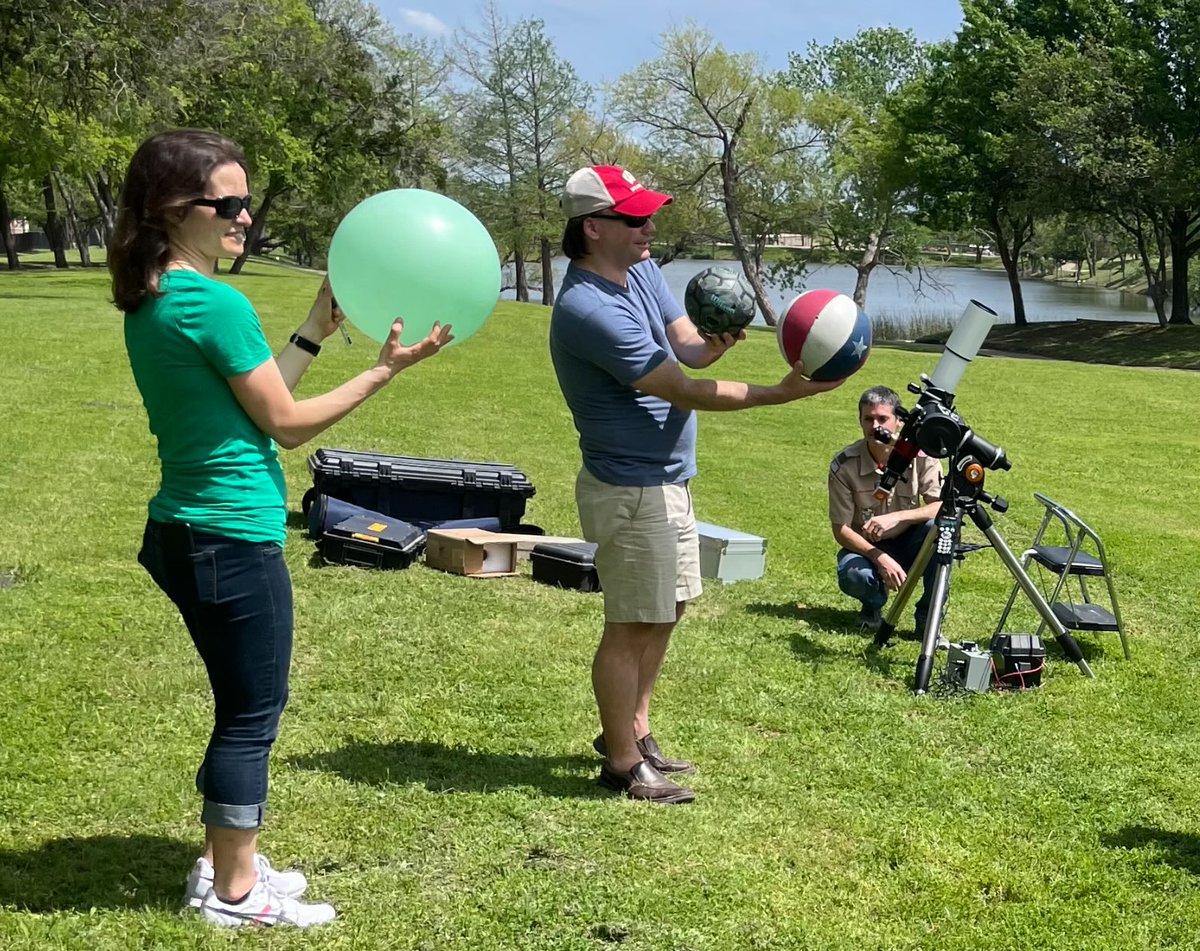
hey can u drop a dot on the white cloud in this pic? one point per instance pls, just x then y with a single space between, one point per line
425 22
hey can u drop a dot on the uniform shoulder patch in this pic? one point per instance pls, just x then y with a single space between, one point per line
838 461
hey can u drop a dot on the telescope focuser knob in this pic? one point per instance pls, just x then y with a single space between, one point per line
1000 505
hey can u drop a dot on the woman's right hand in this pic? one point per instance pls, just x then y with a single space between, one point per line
394 356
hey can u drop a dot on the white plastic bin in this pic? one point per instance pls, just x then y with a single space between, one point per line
730 555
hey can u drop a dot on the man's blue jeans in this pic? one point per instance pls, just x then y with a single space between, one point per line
858 578
236 599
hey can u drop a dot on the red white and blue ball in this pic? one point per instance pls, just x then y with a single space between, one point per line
828 332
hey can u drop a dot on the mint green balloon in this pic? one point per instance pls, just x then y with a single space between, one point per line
418 255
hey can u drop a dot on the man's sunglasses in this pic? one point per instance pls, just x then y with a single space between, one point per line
633 221
229 206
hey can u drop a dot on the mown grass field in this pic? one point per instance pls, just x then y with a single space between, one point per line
434 775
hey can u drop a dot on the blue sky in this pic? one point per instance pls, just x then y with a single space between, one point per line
604 39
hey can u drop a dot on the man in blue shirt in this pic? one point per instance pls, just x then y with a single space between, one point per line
617 337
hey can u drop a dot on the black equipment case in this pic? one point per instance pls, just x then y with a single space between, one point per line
566 565
370 542
421 490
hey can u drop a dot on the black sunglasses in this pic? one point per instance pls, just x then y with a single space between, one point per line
633 221
230 206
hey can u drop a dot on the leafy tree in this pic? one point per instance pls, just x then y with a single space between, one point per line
1116 115
517 137
1071 105
303 91
725 127
961 148
78 85
850 87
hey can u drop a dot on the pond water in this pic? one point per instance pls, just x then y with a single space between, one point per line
940 294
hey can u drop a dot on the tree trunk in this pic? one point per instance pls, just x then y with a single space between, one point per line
104 185
866 264
520 278
1156 280
681 244
259 222
1010 253
54 227
74 225
104 205
10 246
1156 288
1181 223
732 215
547 274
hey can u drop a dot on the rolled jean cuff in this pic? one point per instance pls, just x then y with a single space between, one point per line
232 817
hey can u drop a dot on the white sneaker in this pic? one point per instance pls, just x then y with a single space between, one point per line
264 907
289 884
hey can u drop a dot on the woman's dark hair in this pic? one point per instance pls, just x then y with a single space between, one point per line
167 171
573 244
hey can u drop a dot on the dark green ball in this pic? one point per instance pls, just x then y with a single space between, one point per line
719 300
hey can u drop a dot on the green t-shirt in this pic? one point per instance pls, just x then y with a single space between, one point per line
220 472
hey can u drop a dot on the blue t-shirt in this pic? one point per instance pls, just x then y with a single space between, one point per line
603 337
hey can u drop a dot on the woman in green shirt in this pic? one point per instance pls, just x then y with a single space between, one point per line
219 403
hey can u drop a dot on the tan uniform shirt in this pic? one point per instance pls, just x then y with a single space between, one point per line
853 476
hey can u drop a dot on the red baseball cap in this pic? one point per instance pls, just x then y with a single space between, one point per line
602 187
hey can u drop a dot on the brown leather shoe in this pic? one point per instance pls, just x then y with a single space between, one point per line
644 782
652 754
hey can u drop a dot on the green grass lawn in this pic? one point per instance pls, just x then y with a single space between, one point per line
1103 341
434 775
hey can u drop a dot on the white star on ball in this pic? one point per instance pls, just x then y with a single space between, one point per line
859 347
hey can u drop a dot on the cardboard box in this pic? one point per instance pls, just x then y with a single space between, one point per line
527 543
480 553
471 551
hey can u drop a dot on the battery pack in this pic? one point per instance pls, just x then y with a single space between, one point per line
1019 659
969 668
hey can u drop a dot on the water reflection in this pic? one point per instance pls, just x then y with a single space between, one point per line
940 293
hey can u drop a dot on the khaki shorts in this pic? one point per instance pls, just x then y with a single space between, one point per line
648 552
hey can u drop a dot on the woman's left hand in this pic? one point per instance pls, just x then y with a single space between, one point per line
324 317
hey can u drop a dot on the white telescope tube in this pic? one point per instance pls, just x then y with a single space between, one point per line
963 345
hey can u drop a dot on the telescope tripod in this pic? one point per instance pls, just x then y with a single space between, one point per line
963 495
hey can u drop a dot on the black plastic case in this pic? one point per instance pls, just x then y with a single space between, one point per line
368 542
421 490
566 565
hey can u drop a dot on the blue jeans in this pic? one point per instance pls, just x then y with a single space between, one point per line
858 578
236 599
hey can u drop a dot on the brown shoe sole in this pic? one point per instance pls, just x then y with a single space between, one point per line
643 793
